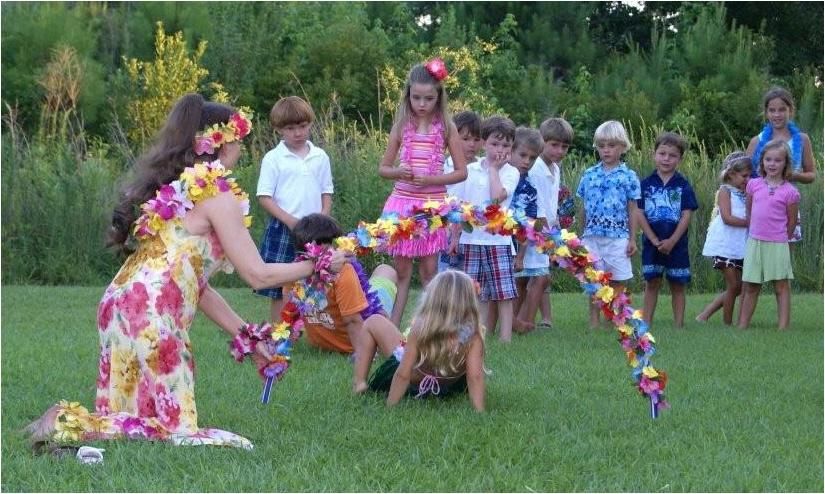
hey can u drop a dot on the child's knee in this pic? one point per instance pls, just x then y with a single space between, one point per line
653 283
386 271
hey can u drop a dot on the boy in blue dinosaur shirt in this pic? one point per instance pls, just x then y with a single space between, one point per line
665 208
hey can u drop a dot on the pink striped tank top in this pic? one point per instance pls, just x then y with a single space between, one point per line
424 154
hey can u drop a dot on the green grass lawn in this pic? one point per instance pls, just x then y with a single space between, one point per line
562 413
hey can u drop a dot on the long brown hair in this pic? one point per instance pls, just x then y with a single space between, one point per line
164 161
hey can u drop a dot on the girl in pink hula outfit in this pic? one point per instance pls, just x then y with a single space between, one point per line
772 206
422 130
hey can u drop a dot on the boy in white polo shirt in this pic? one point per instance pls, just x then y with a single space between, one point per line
295 181
488 258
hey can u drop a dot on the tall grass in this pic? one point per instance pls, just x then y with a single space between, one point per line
57 201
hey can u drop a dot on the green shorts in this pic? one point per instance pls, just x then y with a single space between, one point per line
386 291
766 261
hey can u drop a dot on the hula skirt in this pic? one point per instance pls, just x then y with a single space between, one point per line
381 380
426 245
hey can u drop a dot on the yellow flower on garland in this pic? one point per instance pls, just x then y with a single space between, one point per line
281 331
432 204
566 235
70 421
605 293
591 274
563 251
346 244
435 223
650 372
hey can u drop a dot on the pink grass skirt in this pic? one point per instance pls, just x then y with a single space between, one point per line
430 243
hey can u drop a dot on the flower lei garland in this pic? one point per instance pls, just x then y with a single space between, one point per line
306 295
565 249
238 127
172 201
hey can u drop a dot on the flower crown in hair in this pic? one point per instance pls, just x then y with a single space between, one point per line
437 68
238 127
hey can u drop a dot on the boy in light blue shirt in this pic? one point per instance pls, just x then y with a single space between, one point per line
609 191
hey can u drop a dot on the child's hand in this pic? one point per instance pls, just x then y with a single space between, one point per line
518 264
339 258
665 246
499 159
261 357
290 222
631 248
404 173
421 180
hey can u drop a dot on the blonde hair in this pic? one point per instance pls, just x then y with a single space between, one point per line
735 162
420 75
776 144
448 305
612 131
529 138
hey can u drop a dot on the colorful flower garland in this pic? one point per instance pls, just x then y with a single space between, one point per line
196 183
566 250
212 138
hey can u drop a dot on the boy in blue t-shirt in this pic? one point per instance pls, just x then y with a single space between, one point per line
666 206
530 266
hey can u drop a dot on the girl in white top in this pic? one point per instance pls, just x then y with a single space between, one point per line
728 234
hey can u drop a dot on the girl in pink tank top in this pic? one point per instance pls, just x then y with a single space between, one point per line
414 160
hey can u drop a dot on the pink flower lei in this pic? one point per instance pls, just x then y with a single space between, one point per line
173 200
212 138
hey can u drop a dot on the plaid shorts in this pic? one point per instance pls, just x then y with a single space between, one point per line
276 246
492 267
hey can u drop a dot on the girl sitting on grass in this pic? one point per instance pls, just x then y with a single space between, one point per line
443 354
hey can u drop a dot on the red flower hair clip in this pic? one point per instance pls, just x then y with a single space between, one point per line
437 68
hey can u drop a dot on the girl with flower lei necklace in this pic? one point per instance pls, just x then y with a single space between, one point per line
181 218
779 107
422 130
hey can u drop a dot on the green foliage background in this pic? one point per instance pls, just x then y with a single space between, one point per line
692 67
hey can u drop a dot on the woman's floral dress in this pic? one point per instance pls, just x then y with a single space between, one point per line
145 384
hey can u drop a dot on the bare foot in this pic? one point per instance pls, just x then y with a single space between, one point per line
523 327
699 318
43 428
360 388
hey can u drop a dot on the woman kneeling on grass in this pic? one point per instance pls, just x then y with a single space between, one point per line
443 355
192 223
